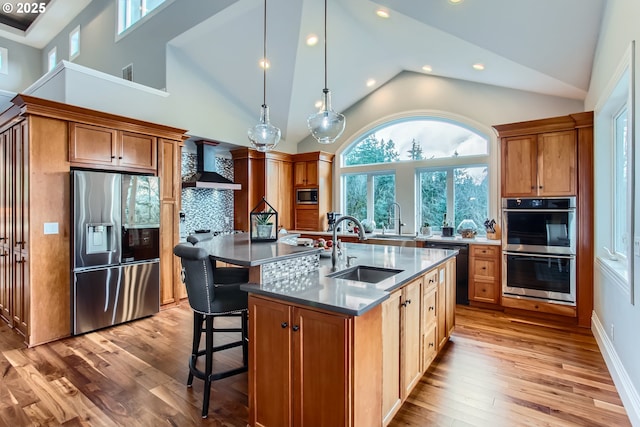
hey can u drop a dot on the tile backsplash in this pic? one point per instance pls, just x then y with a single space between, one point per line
207 208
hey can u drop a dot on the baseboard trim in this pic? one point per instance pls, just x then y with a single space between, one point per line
628 393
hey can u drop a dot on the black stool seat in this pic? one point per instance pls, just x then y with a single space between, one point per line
209 300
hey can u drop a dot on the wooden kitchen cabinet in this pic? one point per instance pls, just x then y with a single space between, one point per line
40 140
401 346
97 146
312 368
267 175
446 300
484 274
313 170
563 151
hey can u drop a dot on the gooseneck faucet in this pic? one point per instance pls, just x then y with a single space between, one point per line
391 209
334 250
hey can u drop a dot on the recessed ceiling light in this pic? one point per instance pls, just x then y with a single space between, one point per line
312 40
427 68
478 66
370 82
455 1
264 63
382 13
318 104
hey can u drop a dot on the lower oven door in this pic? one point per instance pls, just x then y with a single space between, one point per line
540 276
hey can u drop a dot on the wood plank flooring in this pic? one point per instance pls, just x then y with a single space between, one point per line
496 371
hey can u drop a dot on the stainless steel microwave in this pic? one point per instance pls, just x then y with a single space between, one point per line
307 196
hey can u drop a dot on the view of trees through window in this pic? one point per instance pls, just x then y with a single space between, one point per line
460 190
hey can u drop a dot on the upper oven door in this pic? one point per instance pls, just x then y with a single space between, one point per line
550 231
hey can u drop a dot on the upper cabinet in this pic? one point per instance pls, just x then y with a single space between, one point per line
99 146
540 157
539 165
305 174
313 170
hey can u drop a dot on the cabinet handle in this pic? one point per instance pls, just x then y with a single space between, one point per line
484 268
120 157
431 308
284 325
295 328
430 344
20 261
113 157
431 280
408 301
540 187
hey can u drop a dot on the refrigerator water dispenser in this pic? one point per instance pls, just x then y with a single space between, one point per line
99 238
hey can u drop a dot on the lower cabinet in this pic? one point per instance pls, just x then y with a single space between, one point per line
429 318
313 368
484 274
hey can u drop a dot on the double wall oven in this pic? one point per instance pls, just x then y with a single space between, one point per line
539 249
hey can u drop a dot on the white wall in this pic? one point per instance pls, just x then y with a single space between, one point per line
612 304
24 66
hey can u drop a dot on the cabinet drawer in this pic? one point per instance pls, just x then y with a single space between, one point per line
430 279
484 251
429 346
484 268
485 291
429 307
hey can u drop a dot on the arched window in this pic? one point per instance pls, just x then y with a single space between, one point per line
434 165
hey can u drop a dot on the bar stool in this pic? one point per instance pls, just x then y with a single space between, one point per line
209 300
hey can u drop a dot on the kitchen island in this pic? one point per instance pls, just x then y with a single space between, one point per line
329 351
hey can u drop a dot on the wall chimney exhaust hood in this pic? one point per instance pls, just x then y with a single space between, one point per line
206 175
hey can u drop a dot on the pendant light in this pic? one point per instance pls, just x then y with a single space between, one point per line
264 136
326 125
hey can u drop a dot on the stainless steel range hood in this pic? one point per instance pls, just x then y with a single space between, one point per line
206 175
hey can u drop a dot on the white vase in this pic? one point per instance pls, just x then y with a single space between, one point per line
425 231
263 231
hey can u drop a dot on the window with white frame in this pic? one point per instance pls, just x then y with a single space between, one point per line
52 59
448 167
621 183
74 43
4 60
132 11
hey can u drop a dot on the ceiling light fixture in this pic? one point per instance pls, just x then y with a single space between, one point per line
312 40
382 13
371 82
264 136
427 68
326 125
478 66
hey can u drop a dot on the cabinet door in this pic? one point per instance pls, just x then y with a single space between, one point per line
441 296
280 194
138 151
519 166
321 374
450 280
429 326
21 293
20 203
391 388
557 164
307 219
306 173
411 336
270 389
6 286
92 145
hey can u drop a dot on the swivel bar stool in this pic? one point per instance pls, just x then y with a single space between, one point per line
208 301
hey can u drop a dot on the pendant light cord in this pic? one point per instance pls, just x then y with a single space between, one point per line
325 46
264 59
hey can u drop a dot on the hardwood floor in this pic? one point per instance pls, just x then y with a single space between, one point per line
496 371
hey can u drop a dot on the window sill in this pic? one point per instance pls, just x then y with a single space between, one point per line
618 268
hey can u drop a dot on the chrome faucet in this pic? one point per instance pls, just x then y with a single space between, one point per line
334 250
398 218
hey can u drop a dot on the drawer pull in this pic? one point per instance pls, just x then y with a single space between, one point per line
296 328
284 325
431 308
431 344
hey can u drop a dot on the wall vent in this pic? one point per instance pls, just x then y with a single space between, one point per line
127 72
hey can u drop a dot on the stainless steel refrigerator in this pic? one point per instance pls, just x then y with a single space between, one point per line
115 249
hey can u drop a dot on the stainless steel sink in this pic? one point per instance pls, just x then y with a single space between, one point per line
364 273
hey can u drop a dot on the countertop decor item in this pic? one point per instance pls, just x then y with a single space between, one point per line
326 125
263 222
264 136
467 229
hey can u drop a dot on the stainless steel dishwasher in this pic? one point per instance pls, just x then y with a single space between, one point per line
462 267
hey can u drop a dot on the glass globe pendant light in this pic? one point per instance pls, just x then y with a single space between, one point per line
326 125
264 136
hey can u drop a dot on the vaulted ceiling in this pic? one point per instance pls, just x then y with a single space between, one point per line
544 46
